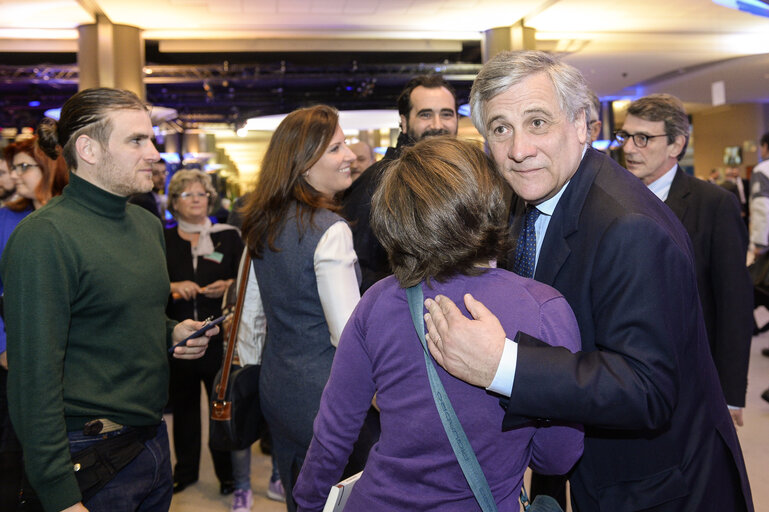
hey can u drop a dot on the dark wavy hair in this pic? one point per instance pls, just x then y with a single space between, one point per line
52 166
297 144
430 81
440 211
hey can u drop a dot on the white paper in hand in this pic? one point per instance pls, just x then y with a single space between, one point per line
337 497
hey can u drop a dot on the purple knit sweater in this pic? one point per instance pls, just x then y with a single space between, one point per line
413 467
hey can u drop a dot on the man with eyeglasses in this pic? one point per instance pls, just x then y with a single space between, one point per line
654 138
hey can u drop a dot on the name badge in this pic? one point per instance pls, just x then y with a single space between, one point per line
215 256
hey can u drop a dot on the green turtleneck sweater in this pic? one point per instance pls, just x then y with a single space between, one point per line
86 287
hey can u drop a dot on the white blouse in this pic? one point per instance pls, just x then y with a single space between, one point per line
334 261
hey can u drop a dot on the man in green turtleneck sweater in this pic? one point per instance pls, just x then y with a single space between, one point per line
85 293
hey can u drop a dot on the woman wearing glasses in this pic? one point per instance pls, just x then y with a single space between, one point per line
39 173
202 261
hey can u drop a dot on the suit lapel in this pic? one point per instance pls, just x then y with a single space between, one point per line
565 220
679 189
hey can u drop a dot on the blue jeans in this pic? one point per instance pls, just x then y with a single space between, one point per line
145 484
241 469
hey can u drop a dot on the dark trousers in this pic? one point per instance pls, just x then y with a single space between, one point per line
185 401
11 466
144 485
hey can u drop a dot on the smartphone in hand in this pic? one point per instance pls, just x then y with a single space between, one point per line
208 324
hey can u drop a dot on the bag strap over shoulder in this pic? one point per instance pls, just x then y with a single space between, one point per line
459 442
232 333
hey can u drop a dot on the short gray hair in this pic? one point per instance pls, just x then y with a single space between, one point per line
507 69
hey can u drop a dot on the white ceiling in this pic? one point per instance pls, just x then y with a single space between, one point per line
624 48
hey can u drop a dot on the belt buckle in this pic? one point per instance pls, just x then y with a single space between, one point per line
100 426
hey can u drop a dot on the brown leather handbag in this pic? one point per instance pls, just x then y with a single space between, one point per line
236 416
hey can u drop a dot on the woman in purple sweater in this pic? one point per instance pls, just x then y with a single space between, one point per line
439 212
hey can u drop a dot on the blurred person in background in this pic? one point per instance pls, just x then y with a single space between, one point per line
7 184
202 262
740 187
154 201
307 274
364 158
594 123
39 177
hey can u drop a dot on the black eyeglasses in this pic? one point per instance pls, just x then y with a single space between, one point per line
639 139
23 167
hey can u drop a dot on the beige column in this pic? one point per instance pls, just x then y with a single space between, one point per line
111 55
515 37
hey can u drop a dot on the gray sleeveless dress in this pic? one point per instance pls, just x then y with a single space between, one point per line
298 353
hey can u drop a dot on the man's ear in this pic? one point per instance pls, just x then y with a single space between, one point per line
580 123
87 149
404 126
675 148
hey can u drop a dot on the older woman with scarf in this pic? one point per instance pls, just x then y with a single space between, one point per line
202 261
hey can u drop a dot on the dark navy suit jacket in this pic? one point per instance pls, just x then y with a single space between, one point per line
658 432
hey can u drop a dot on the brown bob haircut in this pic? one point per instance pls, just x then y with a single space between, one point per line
440 211
299 141
54 170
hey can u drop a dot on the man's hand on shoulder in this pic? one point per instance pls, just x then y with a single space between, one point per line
468 349
195 347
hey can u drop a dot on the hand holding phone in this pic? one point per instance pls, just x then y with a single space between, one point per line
206 326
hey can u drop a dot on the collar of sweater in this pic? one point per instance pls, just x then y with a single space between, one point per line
94 198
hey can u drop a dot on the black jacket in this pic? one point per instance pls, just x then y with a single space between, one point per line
658 435
711 216
356 204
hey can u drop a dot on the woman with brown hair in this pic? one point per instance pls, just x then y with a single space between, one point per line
306 270
39 174
440 214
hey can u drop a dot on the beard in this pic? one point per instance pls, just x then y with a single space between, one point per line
121 182
427 133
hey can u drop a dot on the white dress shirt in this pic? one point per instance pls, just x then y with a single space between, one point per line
661 186
503 379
